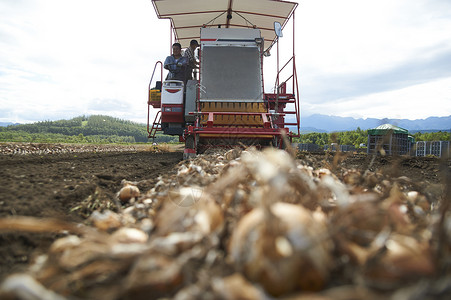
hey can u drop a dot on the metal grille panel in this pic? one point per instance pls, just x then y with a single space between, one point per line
230 74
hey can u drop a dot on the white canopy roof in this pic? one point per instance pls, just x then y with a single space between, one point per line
188 16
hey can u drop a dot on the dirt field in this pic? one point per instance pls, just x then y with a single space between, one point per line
51 185
42 184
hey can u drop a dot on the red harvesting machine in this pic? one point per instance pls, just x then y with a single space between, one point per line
227 106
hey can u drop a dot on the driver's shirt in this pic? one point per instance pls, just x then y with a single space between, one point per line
176 67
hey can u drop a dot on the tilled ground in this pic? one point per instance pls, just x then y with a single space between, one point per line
70 182
419 169
54 185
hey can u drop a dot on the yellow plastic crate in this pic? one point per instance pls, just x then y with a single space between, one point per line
154 95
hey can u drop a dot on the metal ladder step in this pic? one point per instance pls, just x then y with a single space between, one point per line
156 126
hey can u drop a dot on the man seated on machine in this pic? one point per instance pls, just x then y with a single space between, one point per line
176 64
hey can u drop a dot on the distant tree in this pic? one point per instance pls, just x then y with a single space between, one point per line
432 136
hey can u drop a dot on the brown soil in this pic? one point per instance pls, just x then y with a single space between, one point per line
53 185
419 169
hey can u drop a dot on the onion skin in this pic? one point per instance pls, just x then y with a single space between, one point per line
283 251
128 192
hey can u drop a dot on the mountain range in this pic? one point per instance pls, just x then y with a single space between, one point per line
4 124
324 123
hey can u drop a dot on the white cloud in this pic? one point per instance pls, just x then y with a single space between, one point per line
62 55
355 35
375 58
415 102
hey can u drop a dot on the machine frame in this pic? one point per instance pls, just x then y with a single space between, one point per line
228 126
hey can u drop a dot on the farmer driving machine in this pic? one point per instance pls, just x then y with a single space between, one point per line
227 105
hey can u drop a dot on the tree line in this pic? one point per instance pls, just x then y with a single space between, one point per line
359 136
82 129
106 129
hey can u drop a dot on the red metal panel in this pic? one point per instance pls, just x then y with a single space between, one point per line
189 151
172 91
210 119
168 115
266 122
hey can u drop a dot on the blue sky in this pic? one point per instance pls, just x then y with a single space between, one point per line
360 58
